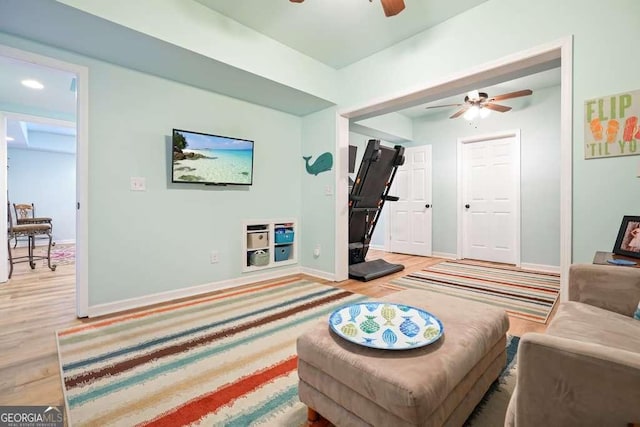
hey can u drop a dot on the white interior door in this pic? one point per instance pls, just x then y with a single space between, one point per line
410 217
490 198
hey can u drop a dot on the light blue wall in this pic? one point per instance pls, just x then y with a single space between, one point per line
603 189
161 239
47 141
318 208
538 118
143 243
49 181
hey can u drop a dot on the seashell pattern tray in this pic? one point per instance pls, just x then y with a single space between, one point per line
386 325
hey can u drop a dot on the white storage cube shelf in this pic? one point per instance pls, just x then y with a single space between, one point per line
268 244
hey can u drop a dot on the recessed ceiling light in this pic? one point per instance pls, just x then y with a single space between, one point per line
10 139
33 84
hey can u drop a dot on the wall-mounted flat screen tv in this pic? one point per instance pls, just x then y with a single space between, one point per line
202 158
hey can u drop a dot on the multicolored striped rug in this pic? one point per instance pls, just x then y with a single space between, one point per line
226 359
521 293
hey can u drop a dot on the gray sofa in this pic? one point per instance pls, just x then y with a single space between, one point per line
585 369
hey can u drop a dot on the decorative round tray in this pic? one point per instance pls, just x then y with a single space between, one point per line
387 326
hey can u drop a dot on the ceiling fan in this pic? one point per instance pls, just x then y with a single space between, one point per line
390 7
478 103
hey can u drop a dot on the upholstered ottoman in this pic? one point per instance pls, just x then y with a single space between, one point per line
439 384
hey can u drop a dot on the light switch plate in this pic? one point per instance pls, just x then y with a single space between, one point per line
138 183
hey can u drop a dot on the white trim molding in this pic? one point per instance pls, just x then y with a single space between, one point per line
528 61
82 166
341 250
319 274
541 267
168 296
379 247
444 255
566 164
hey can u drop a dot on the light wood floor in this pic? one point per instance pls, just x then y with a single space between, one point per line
35 303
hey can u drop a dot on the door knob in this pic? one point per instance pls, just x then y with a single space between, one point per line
427 206
467 206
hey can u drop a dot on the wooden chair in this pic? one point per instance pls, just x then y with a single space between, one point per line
30 231
26 215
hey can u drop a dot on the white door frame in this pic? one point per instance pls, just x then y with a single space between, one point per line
516 184
82 171
560 50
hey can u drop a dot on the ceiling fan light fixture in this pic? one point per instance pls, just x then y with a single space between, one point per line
484 113
472 113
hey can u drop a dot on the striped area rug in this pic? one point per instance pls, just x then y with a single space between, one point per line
226 359
521 293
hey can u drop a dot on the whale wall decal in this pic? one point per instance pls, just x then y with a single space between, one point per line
322 164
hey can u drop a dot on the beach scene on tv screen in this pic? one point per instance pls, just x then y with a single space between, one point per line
211 159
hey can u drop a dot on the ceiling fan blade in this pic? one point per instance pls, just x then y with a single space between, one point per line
296 1
496 107
392 7
512 95
459 112
446 105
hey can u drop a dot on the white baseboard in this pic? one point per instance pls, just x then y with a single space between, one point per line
41 243
66 242
318 273
378 247
444 255
146 300
540 267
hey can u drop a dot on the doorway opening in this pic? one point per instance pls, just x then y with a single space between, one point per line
558 54
49 129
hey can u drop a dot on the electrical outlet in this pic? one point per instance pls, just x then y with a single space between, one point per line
316 251
138 183
328 190
215 257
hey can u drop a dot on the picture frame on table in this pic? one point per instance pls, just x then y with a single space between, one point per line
628 241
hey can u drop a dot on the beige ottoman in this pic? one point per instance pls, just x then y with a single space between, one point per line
439 384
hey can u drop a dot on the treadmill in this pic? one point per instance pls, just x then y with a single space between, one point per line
367 197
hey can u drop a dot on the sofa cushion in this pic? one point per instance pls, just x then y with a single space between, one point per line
583 322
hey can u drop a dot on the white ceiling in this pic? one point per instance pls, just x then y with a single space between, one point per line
56 99
338 32
357 29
